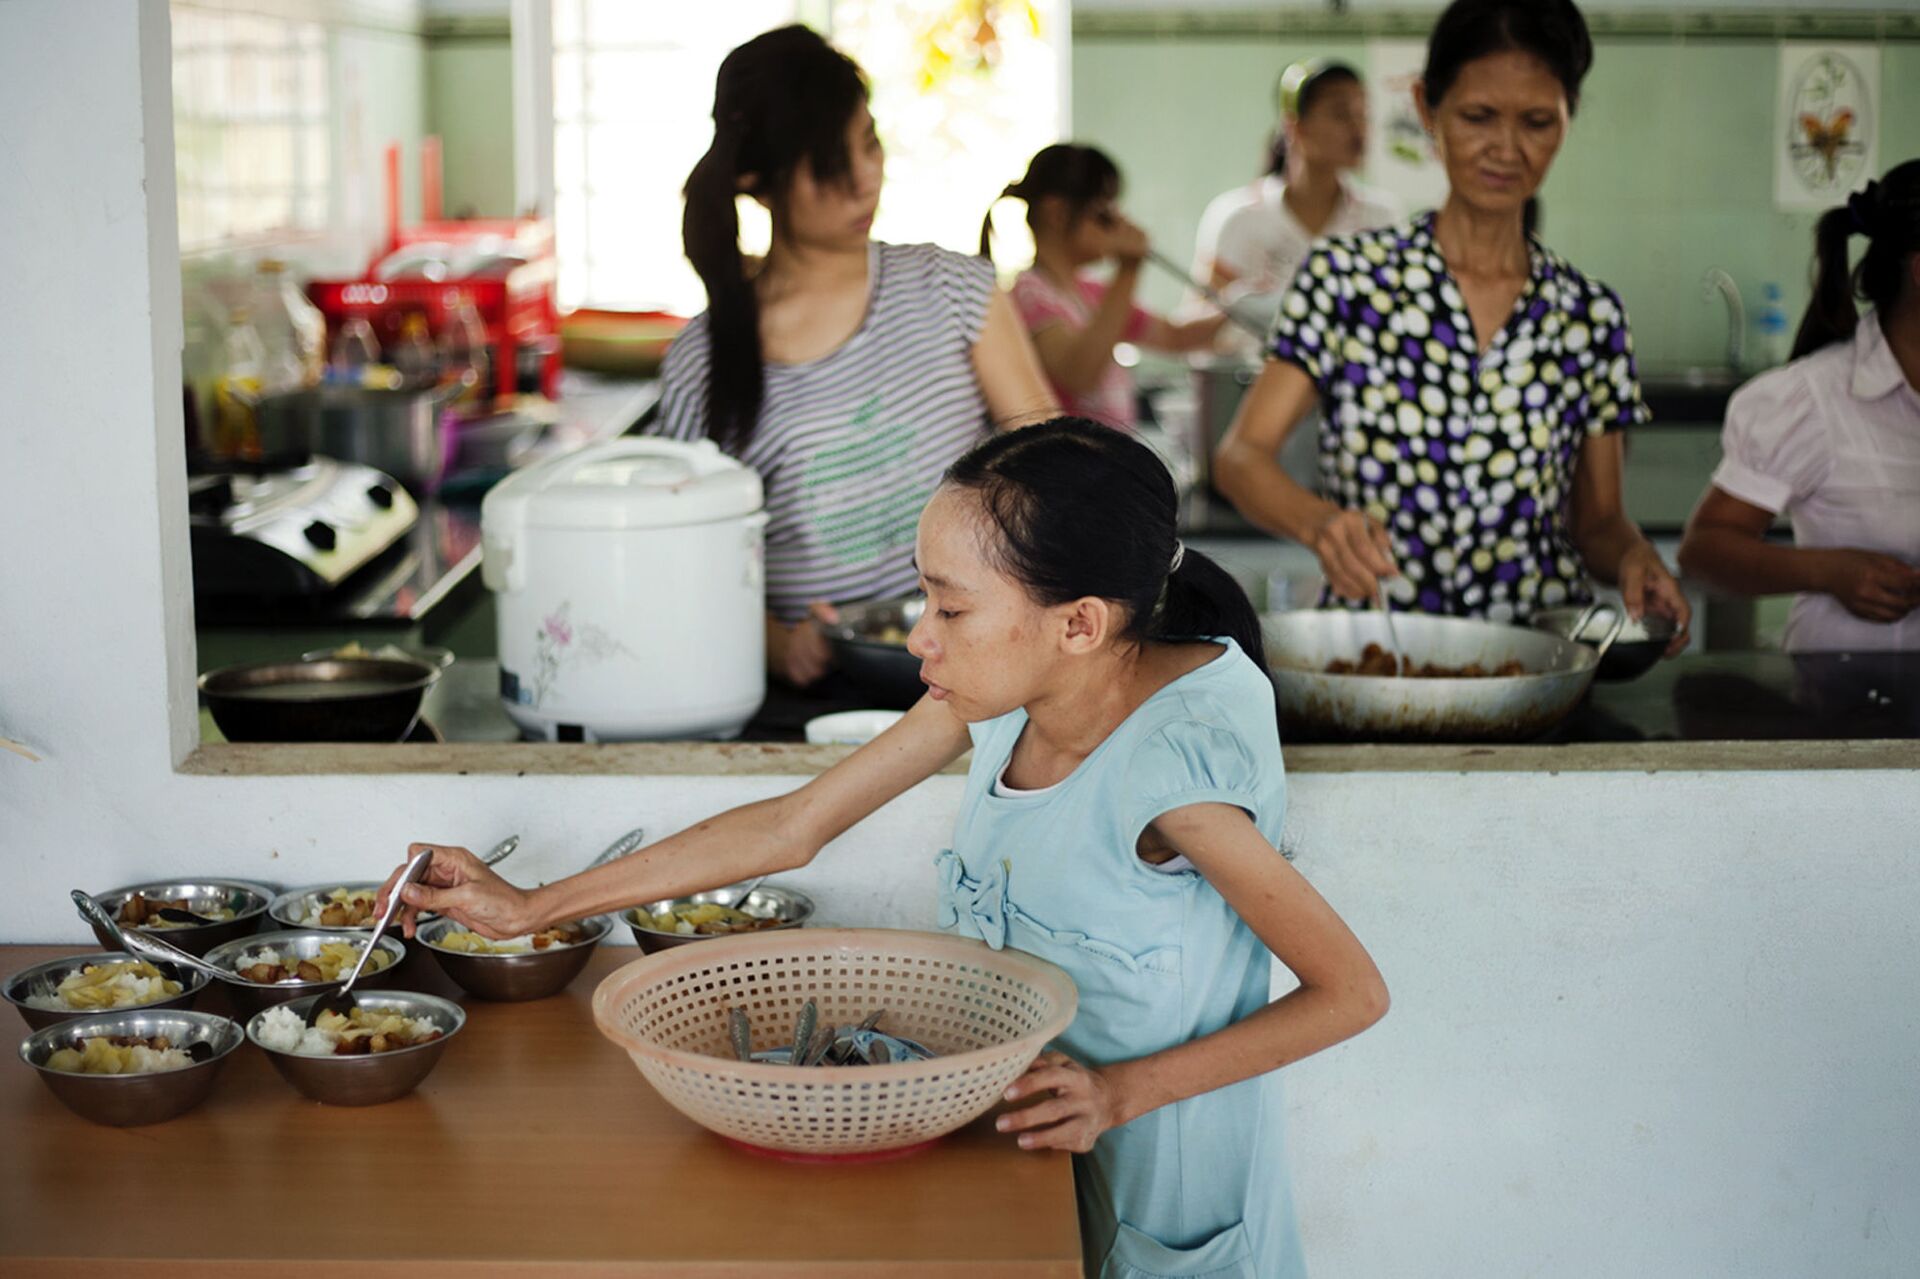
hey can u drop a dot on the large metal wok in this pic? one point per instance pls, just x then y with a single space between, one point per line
1386 708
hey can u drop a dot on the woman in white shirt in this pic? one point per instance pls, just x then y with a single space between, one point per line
1833 440
1258 235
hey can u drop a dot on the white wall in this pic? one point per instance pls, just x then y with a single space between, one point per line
1643 1024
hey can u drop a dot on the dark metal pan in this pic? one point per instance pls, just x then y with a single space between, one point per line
338 699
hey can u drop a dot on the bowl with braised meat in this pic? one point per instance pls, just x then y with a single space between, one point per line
382 1049
335 907
513 968
194 914
721 912
135 1066
277 967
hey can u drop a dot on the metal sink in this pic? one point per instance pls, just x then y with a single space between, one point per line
1689 395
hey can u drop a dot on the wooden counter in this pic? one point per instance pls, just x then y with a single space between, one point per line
535 1148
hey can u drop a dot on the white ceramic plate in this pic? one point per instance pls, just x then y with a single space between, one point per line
850 728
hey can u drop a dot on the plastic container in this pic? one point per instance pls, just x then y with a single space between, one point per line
236 391
987 1013
1775 335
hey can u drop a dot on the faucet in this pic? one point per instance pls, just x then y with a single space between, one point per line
1716 280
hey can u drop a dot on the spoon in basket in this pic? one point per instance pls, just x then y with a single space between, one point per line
342 1001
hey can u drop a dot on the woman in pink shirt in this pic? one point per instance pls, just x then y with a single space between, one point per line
1833 440
1071 194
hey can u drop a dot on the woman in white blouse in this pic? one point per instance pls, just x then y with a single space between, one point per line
1258 235
1833 440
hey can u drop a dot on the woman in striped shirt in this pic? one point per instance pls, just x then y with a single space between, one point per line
849 373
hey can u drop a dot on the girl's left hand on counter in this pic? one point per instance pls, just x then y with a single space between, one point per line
1648 586
1084 1103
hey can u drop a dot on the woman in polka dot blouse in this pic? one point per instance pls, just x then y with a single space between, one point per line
1475 383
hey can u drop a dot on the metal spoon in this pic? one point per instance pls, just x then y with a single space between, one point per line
1386 610
744 893
501 851
741 1031
145 946
341 1001
175 915
627 843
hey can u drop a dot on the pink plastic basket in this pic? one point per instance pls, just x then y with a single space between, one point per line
987 1013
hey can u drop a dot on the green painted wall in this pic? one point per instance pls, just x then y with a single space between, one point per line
1667 171
470 107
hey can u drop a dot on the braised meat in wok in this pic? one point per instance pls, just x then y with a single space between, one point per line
1375 660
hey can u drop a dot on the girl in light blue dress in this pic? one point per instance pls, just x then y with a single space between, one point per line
1122 812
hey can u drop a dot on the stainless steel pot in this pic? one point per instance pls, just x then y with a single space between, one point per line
1386 708
393 431
1219 384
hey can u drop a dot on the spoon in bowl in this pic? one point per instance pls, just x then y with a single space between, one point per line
342 1001
145 946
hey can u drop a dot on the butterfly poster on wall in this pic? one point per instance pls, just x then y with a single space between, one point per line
1826 139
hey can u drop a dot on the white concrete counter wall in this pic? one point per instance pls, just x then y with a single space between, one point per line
1643 1024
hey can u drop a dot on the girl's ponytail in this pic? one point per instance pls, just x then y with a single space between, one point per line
781 100
1887 212
1830 316
1203 601
1012 191
710 230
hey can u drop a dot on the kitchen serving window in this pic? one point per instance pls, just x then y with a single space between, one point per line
250 112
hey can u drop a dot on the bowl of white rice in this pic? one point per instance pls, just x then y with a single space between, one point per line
128 1068
333 953
87 985
335 1063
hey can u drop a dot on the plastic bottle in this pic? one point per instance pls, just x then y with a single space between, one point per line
355 348
463 352
291 328
236 432
1775 337
413 352
202 356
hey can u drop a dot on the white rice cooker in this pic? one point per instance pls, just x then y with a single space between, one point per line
630 585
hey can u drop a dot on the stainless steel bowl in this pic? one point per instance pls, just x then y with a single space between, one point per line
1386 708
249 998
791 908
286 909
882 669
376 1077
533 975
1631 653
247 900
126 1100
41 979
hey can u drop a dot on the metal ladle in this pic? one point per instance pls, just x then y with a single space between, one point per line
1212 295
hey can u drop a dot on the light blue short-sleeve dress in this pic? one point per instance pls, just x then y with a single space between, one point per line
1199 1187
